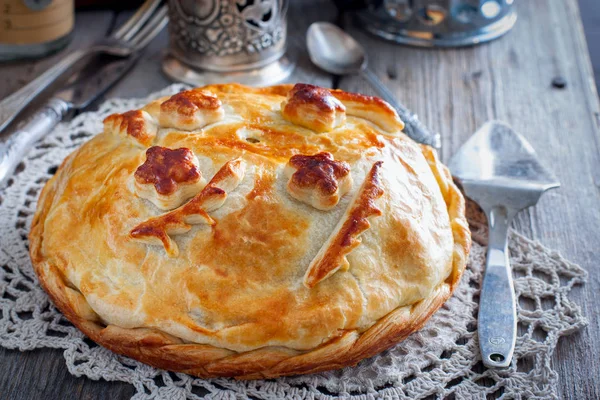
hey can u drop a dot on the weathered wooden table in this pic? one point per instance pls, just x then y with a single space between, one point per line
454 92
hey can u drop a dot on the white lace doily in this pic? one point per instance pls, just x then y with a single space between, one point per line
440 362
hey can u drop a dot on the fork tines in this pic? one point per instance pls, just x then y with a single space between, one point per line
144 25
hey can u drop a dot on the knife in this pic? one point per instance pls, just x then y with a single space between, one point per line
72 99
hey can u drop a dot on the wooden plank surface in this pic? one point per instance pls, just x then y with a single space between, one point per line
454 91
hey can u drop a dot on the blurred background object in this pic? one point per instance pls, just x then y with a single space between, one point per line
112 4
420 22
590 14
435 23
34 28
214 41
130 38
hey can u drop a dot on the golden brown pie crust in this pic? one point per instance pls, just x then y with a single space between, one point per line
248 314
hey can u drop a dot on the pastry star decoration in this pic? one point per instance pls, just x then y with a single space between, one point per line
168 177
318 179
191 110
314 108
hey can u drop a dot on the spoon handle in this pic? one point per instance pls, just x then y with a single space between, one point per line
414 128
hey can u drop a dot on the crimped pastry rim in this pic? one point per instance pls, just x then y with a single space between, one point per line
165 351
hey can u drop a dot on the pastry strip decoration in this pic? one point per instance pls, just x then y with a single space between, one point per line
345 237
158 230
370 108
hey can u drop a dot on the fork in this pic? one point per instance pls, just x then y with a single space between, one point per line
133 36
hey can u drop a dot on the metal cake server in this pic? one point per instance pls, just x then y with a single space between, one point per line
76 96
500 171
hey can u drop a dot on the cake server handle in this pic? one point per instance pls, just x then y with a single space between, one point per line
497 320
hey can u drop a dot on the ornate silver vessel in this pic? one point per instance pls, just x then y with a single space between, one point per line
226 40
443 23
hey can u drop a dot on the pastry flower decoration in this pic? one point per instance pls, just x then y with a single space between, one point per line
136 125
318 180
190 110
168 177
313 107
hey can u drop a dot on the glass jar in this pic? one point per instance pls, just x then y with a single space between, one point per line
34 28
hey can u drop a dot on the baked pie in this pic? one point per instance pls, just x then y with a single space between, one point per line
251 232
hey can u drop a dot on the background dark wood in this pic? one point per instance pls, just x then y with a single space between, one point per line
454 91
590 16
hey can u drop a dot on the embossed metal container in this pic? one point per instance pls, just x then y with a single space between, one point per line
437 23
227 35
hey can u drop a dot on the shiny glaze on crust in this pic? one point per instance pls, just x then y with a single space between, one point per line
319 97
188 102
345 237
279 143
167 168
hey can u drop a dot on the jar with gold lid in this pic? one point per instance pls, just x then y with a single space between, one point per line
34 28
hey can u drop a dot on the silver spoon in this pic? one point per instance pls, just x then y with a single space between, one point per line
336 52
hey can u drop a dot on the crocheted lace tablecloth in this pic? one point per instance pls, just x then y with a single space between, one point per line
441 361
